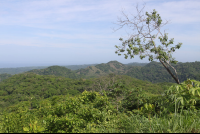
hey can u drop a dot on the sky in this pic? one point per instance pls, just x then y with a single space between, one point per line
76 32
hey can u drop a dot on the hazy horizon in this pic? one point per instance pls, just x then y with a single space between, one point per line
7 65
38 65
74 32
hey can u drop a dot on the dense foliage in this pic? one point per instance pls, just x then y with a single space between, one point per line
50 102
23 87
4 76
95 112
107 82
89 112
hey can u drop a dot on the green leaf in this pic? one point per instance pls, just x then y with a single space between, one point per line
198 92
26 129
121 39
181 100
192 90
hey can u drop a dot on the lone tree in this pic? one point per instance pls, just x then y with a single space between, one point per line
148 28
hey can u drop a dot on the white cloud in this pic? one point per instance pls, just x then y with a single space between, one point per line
179 12
49 11
86 25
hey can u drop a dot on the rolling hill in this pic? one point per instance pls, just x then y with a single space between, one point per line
153 72
33 87
57 71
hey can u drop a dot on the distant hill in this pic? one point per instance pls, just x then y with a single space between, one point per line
57 71
102 69
18 70
4 76
153 71
112 67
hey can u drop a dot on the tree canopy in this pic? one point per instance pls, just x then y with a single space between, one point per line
148 28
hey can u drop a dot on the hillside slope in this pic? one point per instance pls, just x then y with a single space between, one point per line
155 72
102 69
57 71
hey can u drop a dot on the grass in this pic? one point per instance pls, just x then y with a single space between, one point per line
189 123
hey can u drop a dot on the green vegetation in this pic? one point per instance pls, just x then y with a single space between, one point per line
109 111
18 70
153 72
4 76
44 102
146 29
76 67
57 71
24 87
114 98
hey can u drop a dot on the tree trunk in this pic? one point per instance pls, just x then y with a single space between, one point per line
176 79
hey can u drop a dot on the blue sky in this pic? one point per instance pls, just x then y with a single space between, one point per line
75 32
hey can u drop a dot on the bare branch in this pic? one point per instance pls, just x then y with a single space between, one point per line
146 28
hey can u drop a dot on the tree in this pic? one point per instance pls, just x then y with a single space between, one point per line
148 27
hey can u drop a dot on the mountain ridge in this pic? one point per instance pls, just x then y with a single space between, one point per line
153 71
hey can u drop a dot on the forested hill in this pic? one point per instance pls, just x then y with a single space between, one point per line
155 72
57 71
32 87
18 70
76 67
102 69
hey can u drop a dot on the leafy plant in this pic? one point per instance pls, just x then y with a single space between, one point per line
185 95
